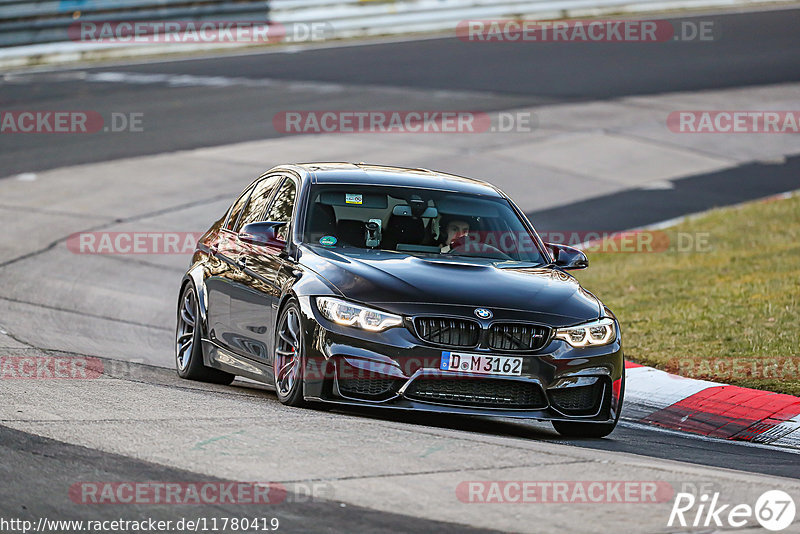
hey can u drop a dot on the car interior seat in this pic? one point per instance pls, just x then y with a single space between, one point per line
352 232
403 229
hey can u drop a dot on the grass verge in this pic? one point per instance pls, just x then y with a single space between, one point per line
717 299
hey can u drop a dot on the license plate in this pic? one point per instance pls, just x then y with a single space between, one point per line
481 364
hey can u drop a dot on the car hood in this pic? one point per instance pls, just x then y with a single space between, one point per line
382 277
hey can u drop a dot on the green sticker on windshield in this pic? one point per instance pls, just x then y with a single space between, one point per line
327 240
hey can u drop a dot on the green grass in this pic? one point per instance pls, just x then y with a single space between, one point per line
729 314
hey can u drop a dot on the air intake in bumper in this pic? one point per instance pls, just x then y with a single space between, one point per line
578 400
486 393
359 383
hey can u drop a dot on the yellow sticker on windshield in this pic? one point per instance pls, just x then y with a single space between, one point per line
352 198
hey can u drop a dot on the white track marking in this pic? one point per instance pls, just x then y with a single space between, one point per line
648 390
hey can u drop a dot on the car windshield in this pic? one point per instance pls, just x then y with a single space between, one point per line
420 222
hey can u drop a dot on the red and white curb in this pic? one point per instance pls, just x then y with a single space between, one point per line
710 409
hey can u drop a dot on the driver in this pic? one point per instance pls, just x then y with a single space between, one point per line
450 230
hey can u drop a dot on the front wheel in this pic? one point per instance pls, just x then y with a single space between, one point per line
288 357
188 352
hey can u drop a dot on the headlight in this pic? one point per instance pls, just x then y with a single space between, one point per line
600 332
347 313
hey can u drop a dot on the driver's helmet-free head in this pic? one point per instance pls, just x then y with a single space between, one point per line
446 219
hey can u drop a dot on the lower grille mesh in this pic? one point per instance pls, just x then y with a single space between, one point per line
357 382
578 400
369 387
478 392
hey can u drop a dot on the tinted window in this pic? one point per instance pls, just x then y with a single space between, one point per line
237 208
281 208
259 200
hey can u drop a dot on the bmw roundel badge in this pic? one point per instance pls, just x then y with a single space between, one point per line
483 313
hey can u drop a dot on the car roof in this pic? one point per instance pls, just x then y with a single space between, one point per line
368 174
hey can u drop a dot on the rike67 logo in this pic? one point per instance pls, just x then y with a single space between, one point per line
774 510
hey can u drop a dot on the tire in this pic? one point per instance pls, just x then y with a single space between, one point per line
288 357
188 346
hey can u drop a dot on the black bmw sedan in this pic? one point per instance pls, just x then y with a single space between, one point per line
405 289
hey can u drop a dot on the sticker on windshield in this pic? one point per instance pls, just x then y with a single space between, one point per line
327 240
353 198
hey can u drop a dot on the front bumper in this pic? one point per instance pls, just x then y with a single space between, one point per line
396 370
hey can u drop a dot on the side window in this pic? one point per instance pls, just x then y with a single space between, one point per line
237 208
281 208
259 200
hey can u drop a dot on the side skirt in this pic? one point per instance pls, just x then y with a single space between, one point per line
224 360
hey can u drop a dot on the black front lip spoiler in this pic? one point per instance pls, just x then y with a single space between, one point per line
398 401
408 405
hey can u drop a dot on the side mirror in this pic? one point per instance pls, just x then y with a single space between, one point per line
264 234
567 257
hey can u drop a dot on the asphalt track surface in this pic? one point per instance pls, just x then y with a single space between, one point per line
753 48
635 208
631 438
48 469
747 49
40 471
